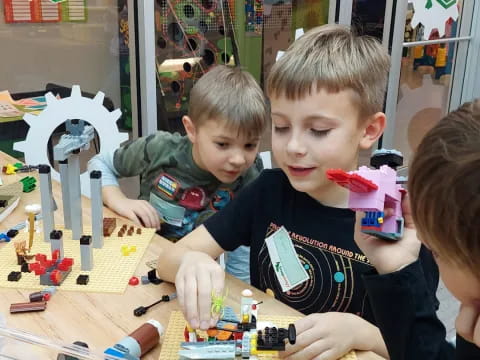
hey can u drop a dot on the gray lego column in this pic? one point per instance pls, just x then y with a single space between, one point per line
63 167
75 194
86 253
47 200
56 242
97 208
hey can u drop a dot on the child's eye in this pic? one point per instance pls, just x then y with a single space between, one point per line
250 146
280 129
320 133
222 145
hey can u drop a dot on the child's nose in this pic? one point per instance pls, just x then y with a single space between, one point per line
238 159
295 146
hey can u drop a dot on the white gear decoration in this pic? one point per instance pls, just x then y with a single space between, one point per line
433 18
56 113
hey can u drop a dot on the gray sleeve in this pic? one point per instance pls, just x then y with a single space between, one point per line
104 163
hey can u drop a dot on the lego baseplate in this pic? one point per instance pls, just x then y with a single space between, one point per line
111 270
176 325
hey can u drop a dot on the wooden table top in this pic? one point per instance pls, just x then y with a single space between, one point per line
101 319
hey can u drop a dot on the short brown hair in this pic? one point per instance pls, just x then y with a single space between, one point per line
332 57
445 187
230 94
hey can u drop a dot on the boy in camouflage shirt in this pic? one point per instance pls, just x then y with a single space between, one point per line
184 179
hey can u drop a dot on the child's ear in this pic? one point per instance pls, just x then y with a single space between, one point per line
189 128
373 129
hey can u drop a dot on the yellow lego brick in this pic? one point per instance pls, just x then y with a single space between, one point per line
111 270
176 326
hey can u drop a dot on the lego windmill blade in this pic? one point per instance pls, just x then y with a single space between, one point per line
352 182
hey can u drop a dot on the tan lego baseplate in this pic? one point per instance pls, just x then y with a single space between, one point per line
176 325
111 270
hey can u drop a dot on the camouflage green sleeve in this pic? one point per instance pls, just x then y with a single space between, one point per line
253 171
135 157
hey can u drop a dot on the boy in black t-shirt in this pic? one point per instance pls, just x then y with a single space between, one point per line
326 96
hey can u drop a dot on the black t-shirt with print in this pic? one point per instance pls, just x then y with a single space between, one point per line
322 237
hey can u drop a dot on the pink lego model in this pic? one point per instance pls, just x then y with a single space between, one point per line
373 190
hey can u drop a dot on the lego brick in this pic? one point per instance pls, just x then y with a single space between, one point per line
152 277
110 274
176 325
82 279
63 169
46 197
75 194
24 267
29 183
109 224
96 202
86 253
12 233
28 307
14 276
56 242
36 296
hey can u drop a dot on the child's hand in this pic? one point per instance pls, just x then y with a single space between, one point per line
389 256
329 336
141 212
197 276
468 323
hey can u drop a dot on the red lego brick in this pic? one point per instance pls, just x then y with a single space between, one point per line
55 276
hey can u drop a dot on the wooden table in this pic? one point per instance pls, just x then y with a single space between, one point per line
102 319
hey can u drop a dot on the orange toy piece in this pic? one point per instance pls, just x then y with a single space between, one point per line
225 335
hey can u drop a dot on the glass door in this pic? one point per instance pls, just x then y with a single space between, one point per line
430 49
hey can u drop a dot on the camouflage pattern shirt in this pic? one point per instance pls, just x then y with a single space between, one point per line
183 194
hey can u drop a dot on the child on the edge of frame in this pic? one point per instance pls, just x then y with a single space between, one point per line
185 179
326 95
444 213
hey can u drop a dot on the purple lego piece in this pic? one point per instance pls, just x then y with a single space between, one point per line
388 195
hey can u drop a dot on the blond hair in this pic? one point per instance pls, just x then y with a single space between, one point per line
445 187
331 57
232 95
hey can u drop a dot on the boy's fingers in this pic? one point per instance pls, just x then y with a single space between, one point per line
180 289
217 277
190 300
306 334
204 299
147 215
132 216
407 211
308 349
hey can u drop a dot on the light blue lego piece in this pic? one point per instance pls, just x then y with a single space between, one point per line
225 352
229 315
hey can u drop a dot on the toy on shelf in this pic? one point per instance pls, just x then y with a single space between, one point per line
232 337
374 190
